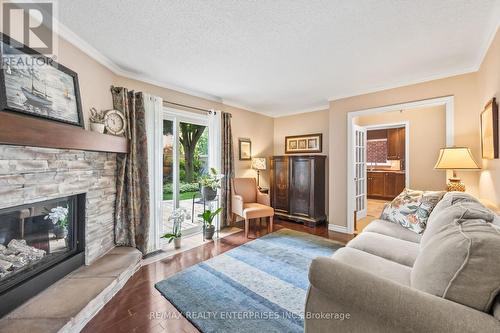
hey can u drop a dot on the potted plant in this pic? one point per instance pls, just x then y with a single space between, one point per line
59 217
208 219
96 120
177 217
210 183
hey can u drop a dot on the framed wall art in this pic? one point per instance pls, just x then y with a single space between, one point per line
245 149
300 144
35 85
489 130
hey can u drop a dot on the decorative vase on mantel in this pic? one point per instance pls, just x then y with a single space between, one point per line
97 127
97 120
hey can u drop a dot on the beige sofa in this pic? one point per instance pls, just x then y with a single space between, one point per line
390 279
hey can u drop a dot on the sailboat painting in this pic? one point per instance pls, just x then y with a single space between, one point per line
38 87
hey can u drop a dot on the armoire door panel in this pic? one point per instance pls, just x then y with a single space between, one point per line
301 186
280 184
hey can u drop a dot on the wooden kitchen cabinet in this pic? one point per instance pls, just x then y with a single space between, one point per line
396 142
375 186
385 185
394 183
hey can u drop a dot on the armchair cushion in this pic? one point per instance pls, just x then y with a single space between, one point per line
246 188
263 199
256 210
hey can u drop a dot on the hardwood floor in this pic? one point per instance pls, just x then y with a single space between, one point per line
133 308
374 209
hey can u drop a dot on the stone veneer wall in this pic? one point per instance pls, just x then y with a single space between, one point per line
29 174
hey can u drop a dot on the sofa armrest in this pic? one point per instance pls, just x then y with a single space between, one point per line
402 308
237 204
263 198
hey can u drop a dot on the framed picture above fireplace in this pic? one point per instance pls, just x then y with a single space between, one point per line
36 85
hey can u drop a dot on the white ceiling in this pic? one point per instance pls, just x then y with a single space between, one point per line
280 57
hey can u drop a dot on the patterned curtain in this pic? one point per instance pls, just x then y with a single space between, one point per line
227 168
132 185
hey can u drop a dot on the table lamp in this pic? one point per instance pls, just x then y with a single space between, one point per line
456 158
258 163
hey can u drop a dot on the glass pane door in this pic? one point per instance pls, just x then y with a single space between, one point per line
169 194
185 160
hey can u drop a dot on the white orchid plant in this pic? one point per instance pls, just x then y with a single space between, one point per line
177 217
59 216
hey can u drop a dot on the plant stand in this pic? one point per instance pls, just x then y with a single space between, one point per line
213 205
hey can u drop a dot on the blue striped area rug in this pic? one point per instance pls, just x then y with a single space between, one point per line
260 286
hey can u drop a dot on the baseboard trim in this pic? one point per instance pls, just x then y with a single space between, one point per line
338 228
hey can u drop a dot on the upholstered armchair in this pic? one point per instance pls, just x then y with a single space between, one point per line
249 203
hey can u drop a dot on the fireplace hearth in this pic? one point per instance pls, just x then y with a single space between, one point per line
39 244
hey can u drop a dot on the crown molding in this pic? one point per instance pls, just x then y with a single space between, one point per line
404 83
296 112
67 34
487 45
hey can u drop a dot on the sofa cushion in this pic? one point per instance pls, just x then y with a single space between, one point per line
392 229
411 209
374 264
460 263
495 308
452 210
451 198
397 250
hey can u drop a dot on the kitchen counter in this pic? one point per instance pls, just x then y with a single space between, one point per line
388 171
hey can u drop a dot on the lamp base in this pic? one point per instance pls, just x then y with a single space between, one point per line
455 184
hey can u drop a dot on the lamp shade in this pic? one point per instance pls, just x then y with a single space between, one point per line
259 163
455 158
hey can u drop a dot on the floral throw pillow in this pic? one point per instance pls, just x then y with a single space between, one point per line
412 208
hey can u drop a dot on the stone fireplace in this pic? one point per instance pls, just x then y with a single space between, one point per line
35 182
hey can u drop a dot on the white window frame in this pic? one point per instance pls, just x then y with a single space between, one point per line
176 116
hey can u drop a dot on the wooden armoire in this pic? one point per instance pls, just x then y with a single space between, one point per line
298 188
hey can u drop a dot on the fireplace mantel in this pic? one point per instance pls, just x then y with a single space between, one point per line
30 131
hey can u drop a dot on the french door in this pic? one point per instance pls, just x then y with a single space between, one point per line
185 157
359 165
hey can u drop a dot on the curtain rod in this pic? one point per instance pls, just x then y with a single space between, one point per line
192 107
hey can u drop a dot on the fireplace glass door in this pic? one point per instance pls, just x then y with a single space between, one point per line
34 237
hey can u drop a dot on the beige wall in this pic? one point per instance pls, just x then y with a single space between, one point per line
489 86
427 134
466 126
304 123
94 79
245 124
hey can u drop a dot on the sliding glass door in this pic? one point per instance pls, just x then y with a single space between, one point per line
185 160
